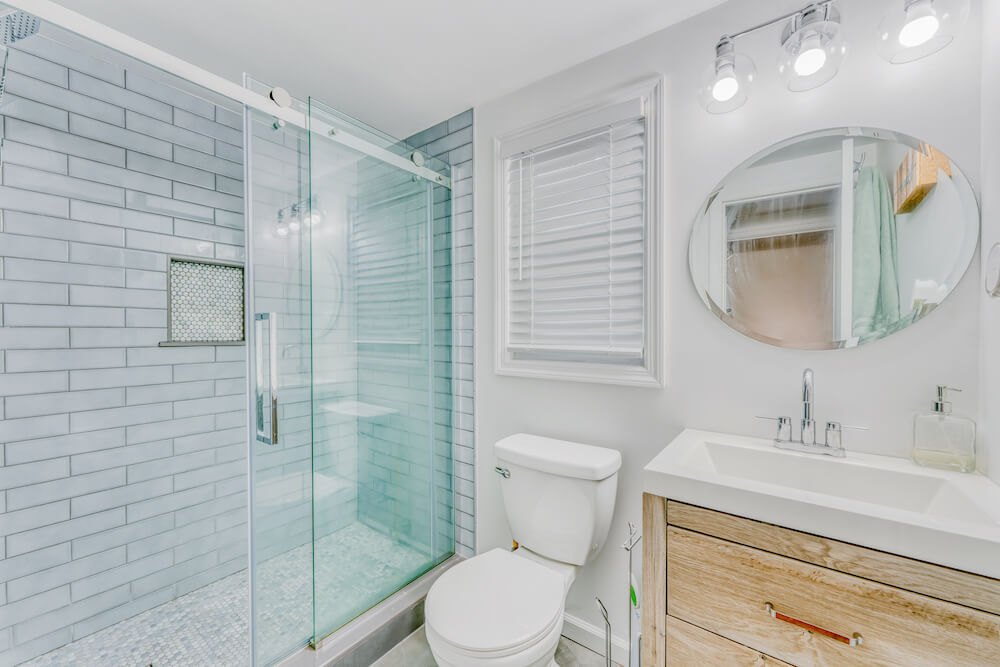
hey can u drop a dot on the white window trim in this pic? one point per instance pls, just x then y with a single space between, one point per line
651 372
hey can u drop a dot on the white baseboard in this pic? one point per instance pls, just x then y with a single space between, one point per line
591 636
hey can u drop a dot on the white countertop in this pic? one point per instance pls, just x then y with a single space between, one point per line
881 502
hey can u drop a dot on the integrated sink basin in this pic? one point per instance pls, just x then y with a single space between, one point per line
881 502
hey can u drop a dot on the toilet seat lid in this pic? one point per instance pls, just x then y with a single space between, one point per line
494 602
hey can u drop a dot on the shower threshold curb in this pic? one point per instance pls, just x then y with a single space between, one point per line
372 634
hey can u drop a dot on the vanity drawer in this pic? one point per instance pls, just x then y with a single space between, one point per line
688 646
725 587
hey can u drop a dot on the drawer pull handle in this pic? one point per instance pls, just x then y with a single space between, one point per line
854 640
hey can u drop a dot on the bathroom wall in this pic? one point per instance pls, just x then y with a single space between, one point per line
451 141
124 478
717 379
989 422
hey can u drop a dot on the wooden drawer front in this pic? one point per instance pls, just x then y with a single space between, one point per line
690 646
723 587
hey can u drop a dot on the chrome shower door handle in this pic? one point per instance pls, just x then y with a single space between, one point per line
272 376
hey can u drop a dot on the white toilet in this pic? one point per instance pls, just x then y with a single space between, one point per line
505 608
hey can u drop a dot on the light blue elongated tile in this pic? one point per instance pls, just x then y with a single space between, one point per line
169 170
142 201
119 377
168 244
33 606
36 315
62 229
27 474
127 416
32 247
207 127
15 199
37 68
46 492
230 219
32 156
120 217
229 118
26 361
91 295
218 165
116 176
35 112
62 272
95 337
169 95
208 197
32 338
117 136
46 404
166 132
66 186
229 152
197 230
119 456
60 97
62 142
44 47
118 96
119 496
26 383
63 445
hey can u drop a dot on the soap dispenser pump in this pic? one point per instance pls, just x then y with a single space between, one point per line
944 440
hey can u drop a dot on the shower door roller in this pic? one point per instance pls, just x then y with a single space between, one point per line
267 436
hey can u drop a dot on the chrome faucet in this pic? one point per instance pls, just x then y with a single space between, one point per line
808 425
833 444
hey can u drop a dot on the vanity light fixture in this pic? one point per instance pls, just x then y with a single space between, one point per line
727 83
811 51
913 29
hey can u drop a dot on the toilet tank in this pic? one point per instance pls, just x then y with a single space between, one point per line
559 496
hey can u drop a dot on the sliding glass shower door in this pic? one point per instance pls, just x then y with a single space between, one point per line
352 383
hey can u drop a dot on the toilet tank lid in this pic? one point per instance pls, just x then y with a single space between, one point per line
559 457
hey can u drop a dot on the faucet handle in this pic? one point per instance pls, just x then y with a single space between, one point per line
784 433
834 433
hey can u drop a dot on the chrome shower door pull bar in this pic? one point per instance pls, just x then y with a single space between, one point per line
272 379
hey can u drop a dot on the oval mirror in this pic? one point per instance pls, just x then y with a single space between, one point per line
834 238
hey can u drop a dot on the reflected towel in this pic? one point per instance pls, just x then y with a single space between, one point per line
875 305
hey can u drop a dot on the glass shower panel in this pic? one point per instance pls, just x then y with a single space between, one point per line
280 389
382 395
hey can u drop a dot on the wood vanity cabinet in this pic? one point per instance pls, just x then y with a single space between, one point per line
723 590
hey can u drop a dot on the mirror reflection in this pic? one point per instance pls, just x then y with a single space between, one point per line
834 239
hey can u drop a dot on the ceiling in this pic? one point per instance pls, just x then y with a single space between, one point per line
400 65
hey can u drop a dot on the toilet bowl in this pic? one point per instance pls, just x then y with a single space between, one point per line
500 608
505 608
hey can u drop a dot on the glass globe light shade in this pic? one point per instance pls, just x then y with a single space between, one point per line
812 48
913 29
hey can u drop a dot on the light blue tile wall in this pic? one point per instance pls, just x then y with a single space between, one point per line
123 478
451 141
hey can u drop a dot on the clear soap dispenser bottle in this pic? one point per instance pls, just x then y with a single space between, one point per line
943 440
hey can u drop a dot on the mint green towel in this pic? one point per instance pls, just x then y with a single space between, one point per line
875 305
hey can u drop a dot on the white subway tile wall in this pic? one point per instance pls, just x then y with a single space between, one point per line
451 141
124 464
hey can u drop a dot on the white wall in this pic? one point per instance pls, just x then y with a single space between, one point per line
717 379
989 453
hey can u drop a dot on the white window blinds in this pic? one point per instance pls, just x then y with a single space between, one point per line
575 214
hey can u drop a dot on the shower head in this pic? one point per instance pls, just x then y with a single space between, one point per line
17 25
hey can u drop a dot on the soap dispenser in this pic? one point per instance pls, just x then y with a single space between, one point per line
943 440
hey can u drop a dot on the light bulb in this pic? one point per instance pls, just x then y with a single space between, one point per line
313 219
811 59
294 225
726 86
921 25
281 229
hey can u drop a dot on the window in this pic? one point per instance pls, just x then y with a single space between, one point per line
578 245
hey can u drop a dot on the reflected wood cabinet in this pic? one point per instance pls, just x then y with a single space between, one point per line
723 590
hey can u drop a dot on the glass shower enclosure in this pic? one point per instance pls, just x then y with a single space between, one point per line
350 383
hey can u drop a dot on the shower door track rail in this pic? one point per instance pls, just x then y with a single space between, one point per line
67 19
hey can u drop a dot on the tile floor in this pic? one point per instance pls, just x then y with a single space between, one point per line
209 627
414 652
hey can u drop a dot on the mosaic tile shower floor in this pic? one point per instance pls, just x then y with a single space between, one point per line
208 627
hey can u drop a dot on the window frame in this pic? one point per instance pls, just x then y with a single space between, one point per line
650 372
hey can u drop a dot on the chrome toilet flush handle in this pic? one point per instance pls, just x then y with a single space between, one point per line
503 472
